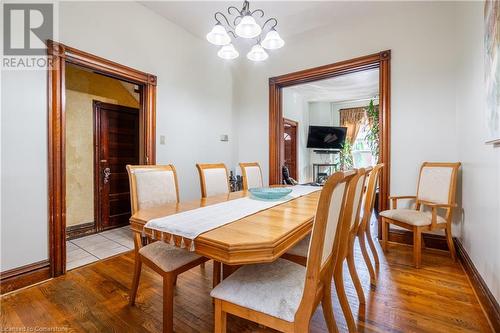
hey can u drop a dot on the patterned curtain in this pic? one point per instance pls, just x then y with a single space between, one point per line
352 118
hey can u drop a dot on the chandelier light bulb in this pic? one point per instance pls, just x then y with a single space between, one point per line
228 52
257 53
248 28
272 40
218 35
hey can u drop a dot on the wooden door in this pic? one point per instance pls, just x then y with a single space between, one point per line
290 146
116 145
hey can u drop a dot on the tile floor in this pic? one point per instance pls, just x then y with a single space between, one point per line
85 250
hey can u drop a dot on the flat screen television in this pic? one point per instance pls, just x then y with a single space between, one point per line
326 137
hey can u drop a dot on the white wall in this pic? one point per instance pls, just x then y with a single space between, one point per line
194 102
480 162
422 39
295 108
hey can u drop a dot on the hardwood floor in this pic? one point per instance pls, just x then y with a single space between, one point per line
94 298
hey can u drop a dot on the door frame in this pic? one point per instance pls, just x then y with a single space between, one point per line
59 55
380 60
296 125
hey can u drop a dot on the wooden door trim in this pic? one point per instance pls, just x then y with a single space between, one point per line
296 125
380 60
60 54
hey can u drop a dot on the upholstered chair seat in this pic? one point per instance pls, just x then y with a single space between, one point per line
274 289
412 217
301 248
166 256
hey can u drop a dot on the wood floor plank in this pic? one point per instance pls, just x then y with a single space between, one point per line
94 298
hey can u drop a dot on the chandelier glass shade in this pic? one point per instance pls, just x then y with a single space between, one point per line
246 24
257 53
218 35
248 28
272 41
228 52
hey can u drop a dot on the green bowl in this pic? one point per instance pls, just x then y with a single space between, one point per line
270 193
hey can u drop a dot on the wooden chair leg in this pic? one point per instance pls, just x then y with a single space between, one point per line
364 252
168 303
372 244
385 234
326 303
417 247
449 239
220 317
344 303
216 273
135 280
354 274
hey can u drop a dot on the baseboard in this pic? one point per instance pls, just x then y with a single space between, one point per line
24 276
486 298
431 241
80 230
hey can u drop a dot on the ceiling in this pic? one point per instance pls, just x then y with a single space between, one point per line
350 87
294 17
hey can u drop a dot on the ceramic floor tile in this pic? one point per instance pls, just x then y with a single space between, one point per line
90 240
108 244
105 253
70 246
76 254
80 262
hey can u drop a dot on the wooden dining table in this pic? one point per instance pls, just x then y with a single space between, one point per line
258 238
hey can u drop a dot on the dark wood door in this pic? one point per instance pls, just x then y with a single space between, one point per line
116 145
290 145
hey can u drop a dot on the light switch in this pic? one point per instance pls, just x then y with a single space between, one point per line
162 139
224 137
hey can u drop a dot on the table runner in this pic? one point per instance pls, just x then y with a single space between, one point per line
182 228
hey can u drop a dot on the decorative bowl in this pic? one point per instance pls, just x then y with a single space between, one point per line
270 193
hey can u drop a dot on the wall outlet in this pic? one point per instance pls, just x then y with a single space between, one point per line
224 137
162 139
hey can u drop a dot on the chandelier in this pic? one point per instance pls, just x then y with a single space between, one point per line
243 24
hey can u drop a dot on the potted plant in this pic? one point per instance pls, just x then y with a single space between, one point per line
346 160
372 138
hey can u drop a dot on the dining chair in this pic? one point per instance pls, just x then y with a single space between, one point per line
346 250
298 253
436 190
364 224
284 295
214 179
152 186
252 175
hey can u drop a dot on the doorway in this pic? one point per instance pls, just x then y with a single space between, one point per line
111 209
379 61
290 142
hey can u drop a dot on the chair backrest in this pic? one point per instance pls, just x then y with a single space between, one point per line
152 185
252 175
437 182
323 247
357 198
369 196
214 179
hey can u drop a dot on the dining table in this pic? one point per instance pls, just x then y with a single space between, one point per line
261 237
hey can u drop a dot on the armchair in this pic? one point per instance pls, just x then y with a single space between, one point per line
436 191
